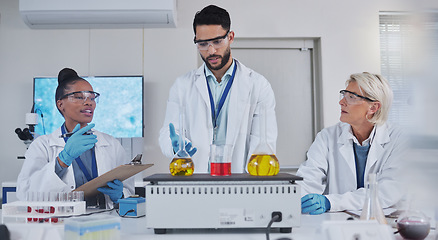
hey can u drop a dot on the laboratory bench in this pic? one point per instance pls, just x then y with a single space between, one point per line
134 228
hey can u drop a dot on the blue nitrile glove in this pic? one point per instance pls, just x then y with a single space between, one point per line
175 142
77 144
191 151
314 204
114 190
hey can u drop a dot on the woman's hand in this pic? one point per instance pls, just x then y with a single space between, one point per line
114 190
77 144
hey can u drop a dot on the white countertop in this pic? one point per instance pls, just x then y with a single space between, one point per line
134 228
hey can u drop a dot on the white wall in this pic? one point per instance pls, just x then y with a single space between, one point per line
349 41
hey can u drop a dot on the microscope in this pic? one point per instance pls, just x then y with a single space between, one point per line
28 134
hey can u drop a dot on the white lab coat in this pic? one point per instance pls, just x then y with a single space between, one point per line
248 92
330 167
38 171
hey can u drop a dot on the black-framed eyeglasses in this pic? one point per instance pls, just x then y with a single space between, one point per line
353 98
216 42
81 96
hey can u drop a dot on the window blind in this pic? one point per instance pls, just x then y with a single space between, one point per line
395 30
399 59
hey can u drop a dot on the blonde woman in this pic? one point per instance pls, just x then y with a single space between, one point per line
342 156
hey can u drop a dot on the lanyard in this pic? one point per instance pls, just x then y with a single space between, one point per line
81 164
223 97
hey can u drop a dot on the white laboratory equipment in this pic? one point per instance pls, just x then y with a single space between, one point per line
202 201
44 207
40 212
27 135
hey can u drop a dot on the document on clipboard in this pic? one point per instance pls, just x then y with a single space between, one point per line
121 173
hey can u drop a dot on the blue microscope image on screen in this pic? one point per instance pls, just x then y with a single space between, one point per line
119 111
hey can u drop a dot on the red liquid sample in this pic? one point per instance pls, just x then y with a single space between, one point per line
41 210
29 210
220 169
53 220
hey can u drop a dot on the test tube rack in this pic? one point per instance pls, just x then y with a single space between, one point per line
40 212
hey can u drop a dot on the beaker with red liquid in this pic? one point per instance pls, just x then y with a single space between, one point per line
220 159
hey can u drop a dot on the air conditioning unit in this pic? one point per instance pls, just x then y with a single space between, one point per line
98 13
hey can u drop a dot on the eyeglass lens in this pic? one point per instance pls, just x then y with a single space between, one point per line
218 43
350 98
81 97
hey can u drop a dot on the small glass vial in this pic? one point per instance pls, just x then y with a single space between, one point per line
263 161
372 209
182 164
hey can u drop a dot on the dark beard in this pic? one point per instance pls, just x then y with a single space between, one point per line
224 59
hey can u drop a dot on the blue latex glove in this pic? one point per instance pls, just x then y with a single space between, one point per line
175 142
114 190
77 144
314 204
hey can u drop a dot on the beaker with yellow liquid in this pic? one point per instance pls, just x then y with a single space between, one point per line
182 164
263 161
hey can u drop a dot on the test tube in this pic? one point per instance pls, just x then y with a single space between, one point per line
29 198
71 199
46 199
61 209
68 198
78 196
53 197
40 208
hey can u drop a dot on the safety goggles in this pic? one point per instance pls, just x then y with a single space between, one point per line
81 96
353 98
216 42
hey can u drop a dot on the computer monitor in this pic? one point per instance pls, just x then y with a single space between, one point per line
118 113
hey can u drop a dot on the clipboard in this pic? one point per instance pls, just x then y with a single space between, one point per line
121 173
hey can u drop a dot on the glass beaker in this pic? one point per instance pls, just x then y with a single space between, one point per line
182 164
263 161
220 159
372 209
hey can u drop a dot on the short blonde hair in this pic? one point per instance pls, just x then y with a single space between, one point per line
375 87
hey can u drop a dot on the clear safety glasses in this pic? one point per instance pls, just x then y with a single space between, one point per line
217 42
353 98
82 96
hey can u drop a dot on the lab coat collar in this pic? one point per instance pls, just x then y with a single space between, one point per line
238 95
345 142
55 140
380 134
228 73
201 85
241 70
345 136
